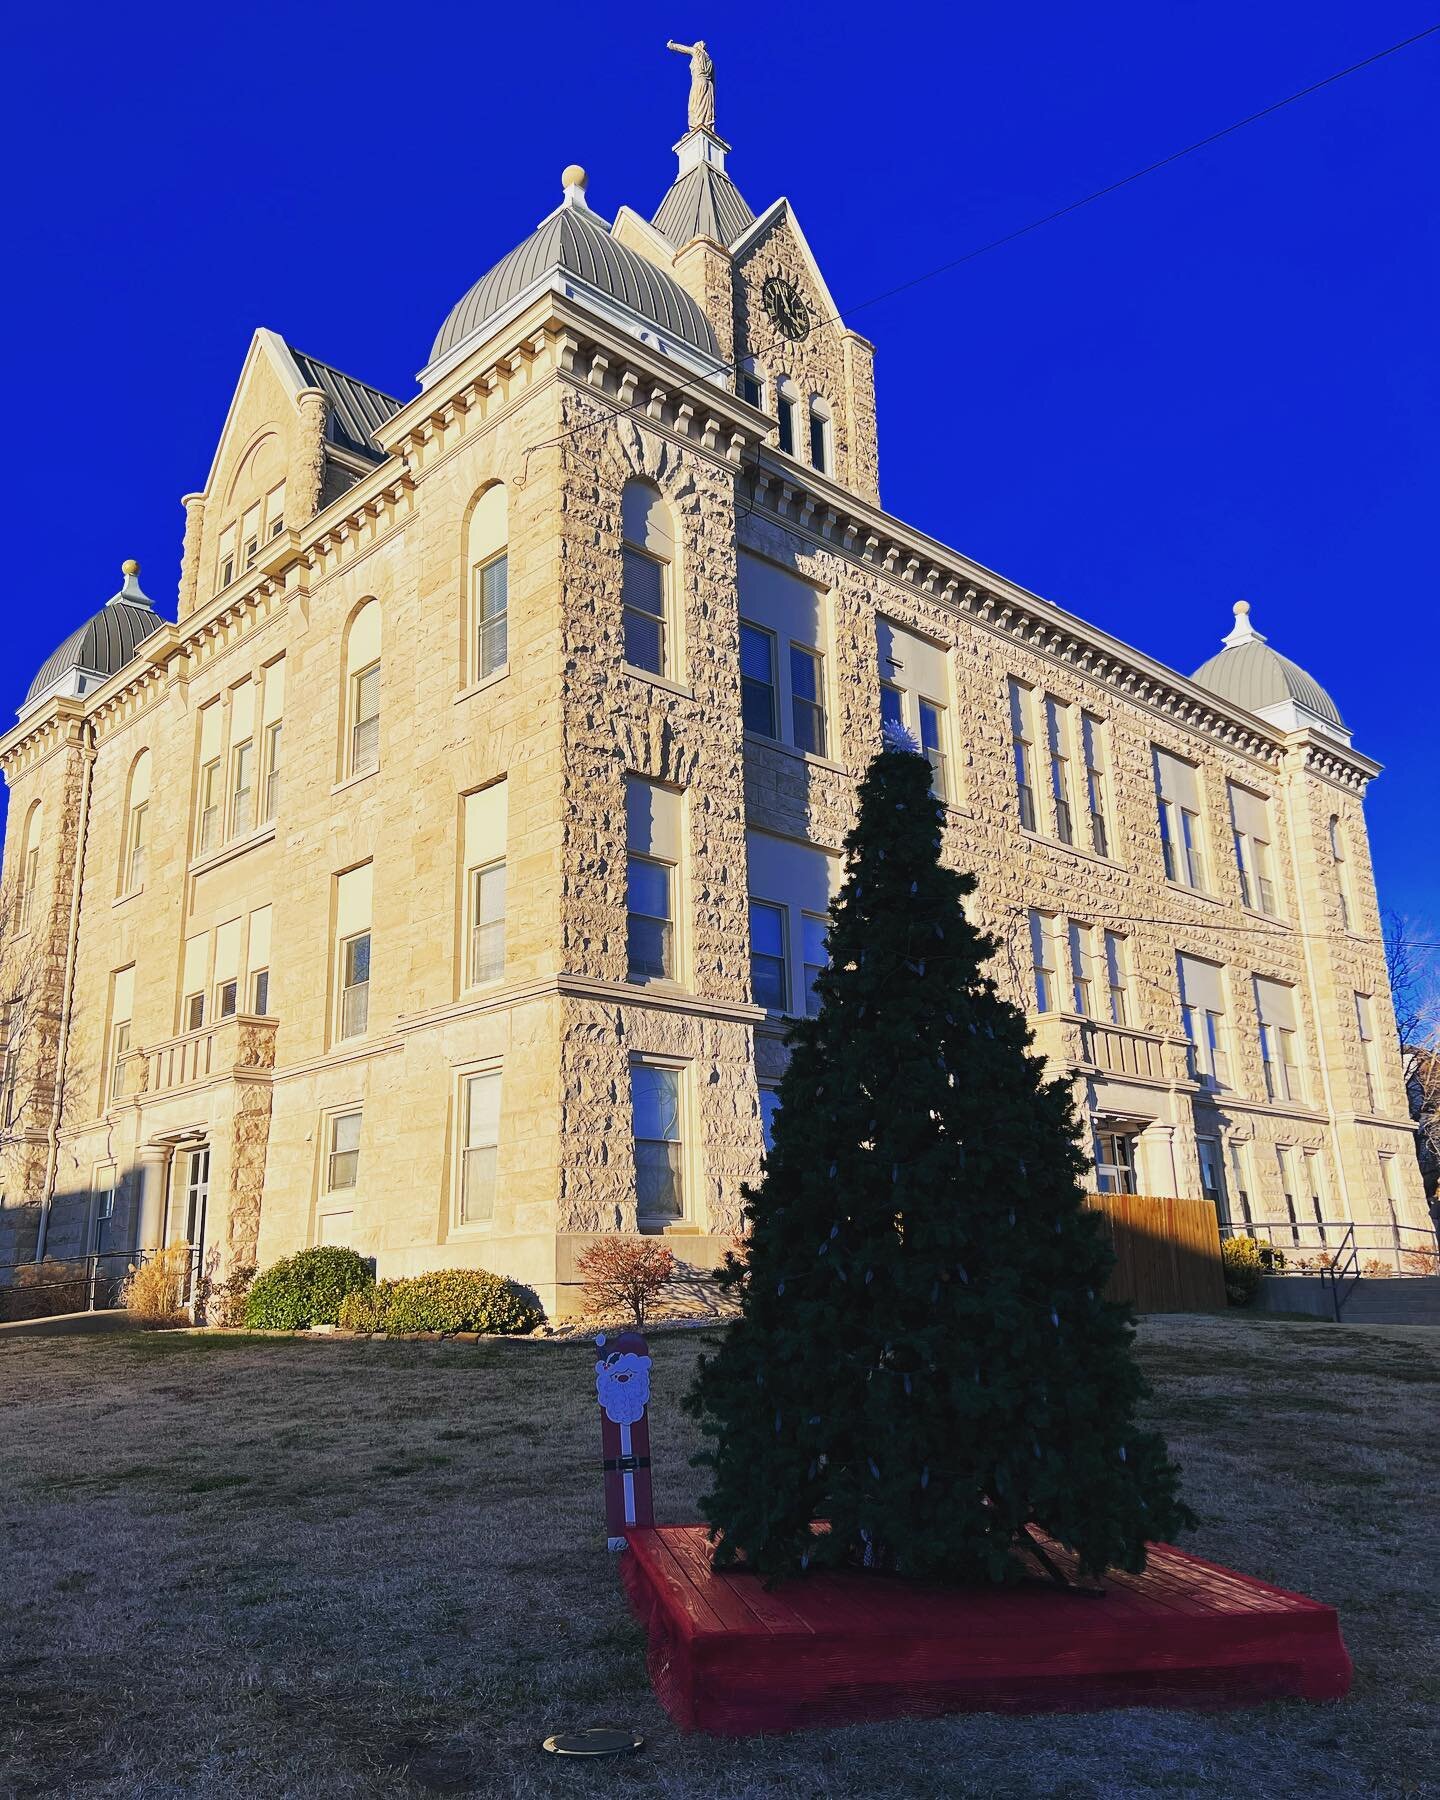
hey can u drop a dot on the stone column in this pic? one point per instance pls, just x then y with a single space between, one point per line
194 505
307 459
154 1160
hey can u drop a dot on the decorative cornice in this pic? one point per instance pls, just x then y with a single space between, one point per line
864 535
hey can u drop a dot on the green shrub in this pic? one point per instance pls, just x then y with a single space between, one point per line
1247 1263
306 1289
364 1310
459 1300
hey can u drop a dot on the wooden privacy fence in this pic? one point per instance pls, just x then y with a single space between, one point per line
1167 1252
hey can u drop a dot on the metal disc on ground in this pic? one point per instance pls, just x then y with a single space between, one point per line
595 1740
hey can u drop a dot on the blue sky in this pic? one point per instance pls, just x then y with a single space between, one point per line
1218 383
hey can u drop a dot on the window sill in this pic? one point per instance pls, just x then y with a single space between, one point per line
134 894
351 781
480 1229
1276 919
805 756
1055 843
213 859
682 688
1193 893
666 1227
485 681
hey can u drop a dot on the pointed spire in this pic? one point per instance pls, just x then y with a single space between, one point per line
131 593
1242 632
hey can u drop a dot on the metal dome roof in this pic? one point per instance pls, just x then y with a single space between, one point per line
576 242
1249 673
104 644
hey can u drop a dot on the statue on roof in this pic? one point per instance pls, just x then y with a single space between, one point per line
702 83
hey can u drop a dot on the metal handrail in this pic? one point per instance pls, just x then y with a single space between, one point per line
1325 1236
1344 1267
91 1278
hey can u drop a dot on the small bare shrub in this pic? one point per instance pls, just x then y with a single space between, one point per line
45 1289
225 1304
154 1291
625 1275
1422 1262
1377 1269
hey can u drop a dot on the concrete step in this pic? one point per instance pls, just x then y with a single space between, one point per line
1407 1300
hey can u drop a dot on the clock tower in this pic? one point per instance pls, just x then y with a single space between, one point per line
774 318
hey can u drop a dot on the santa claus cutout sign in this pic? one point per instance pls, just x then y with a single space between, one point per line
622 1386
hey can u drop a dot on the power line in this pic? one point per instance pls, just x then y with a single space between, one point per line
1010 237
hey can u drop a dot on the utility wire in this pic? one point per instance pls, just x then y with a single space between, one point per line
1010 237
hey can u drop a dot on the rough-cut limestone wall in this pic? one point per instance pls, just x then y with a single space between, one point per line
194 505
704 270
249 1142
808 797
823 363
307 460
685 733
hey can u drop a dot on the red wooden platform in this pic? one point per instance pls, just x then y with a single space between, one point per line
728 1656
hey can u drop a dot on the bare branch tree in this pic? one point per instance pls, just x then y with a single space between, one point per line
1415 988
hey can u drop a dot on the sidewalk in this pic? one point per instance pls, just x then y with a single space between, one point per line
69 1324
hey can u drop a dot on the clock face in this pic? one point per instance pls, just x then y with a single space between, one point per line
787 311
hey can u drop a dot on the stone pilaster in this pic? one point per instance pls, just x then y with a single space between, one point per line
194 505
306 473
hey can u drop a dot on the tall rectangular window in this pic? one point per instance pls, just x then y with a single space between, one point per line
119 1050
272 709
275 512
355 985
1365 1025
1177 791
807 700
1115 1162
892 705
250 536
1240 1181
225 561
1212 1179
819 441
1314 1187
1250 832
757 681
659 1151
1042 957
242 789
653 825
354 899
1285 1160
135 847
1057 738
1082 968
751 390
1342 872
785 418
342 1163
480 1150
29 884
769 1107
487 933
644 586
486 823
932 742
816 953
769 978
104 1188
365 731
1022 740
194 980
1390 1190
1275 1009
492 615
1202 1009
260 992
209 832
1117 977
1092 740
257 958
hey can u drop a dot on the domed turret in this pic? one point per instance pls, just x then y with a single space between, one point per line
93 653
574 252
1249 673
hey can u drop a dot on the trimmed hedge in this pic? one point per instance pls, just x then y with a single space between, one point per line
305 1289
459 1300
447 1300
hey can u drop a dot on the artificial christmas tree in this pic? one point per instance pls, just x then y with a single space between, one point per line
923 1356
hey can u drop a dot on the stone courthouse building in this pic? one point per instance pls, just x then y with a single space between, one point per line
440 881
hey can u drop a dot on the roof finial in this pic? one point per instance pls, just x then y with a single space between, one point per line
1242 632
702 83
574 180
131 593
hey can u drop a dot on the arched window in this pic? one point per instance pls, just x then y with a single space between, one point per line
362 691
489 564
751 383
786 411
649 557
821 453
30 865
137 806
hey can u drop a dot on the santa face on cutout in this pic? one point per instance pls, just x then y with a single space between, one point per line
622 1385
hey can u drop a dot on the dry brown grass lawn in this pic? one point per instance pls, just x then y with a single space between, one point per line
238 1567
